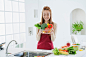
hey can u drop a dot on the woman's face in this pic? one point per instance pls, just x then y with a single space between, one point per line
46 15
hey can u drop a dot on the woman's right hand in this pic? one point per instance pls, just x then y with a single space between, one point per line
40 31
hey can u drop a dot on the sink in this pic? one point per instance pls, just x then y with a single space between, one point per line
31 54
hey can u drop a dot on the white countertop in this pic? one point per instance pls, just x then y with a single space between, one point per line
16 50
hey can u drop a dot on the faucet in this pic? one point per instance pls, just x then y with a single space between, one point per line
8 45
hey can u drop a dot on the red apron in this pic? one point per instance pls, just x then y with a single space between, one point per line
45 42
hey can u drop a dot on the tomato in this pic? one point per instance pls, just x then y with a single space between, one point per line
65 50
46 28
64 46
68 44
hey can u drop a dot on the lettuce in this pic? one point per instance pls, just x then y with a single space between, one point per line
38 26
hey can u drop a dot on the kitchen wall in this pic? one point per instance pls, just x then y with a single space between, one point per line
30 21
61 10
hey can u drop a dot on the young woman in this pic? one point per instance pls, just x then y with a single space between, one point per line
45 41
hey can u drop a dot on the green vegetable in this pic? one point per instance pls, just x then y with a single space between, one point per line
56 51
77 44
43 26
71 50
38 26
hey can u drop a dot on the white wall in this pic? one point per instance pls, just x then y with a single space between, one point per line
30 21
61 10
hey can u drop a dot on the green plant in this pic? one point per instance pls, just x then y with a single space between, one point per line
77 26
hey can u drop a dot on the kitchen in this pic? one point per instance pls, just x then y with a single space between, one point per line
17 19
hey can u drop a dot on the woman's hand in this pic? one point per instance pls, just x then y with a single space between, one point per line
40 31
52 32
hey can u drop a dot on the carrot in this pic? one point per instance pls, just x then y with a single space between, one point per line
65 50
73 44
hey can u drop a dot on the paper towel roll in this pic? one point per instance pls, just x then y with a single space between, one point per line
74 39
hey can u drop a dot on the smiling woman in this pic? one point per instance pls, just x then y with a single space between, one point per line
46 40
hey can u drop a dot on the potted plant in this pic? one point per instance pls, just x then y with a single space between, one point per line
77 27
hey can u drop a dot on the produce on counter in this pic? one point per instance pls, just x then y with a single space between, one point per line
64 51
64 46
76 48
56 51
71 50
68 44
80 49
76 44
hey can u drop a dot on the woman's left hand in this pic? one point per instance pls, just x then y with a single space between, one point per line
52 32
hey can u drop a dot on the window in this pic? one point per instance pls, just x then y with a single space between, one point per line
12 22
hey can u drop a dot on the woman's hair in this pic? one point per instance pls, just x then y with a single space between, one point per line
42 19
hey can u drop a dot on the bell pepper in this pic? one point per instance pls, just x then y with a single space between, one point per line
50 26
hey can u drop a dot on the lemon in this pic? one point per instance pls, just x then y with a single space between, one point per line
80 49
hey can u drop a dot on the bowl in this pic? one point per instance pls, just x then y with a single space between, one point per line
46 31
76 47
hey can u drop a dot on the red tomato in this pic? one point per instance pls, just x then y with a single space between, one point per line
46 28
65 50
63 47
68 44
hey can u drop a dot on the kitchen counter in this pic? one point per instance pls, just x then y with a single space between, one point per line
16 50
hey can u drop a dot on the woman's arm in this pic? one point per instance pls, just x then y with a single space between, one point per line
53 35
38 34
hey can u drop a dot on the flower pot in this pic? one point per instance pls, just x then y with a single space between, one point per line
78 32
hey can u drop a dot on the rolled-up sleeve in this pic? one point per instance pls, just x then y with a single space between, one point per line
53 36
